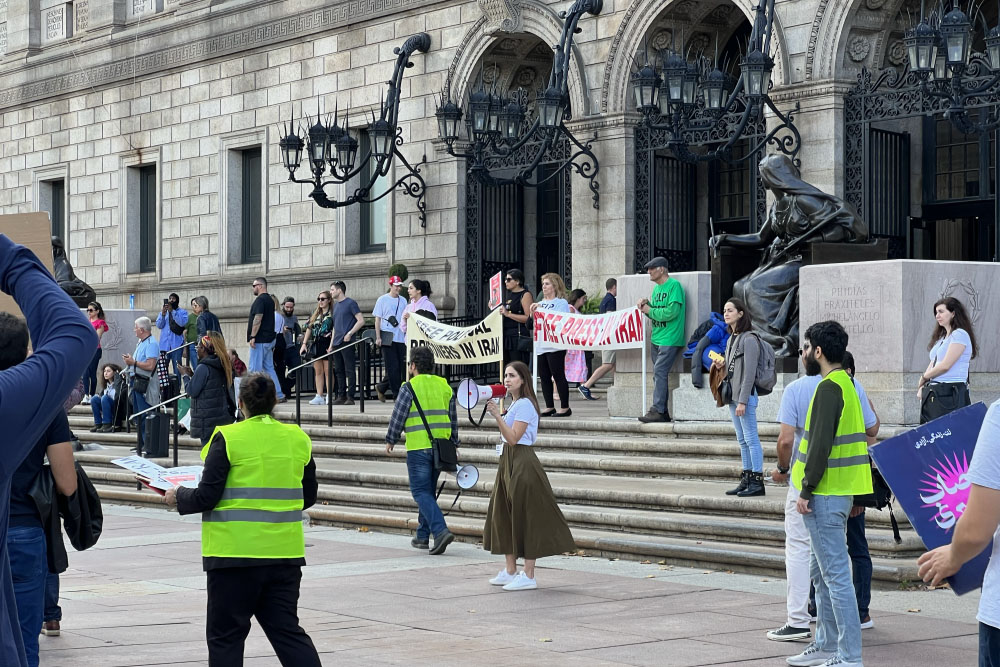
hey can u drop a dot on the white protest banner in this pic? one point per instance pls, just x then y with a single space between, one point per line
479 344
618 330
159 478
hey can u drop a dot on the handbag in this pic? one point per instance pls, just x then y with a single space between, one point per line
726 386
445 451
523 342
140 383
940 398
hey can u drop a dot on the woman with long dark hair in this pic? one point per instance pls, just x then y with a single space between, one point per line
319 331
944 386
742 353
113 389
523 519
552 363
211 387
419 292
95 313
516 322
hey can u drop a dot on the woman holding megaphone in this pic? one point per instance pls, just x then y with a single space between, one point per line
523 519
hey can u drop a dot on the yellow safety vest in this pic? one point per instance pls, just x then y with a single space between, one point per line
434 394
260 514
848 471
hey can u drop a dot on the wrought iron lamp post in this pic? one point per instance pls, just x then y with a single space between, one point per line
331 148
667 97
939 51
498 125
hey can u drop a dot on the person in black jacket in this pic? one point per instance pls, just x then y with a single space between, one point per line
211 388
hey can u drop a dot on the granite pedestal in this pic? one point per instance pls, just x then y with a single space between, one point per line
120 336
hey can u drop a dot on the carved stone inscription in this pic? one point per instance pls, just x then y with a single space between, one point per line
860 308
55 23
82 12
3 38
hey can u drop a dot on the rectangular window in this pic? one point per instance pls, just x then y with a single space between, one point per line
147 218
375 215
58 214
250 209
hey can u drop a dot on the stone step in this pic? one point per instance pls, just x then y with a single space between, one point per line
713 554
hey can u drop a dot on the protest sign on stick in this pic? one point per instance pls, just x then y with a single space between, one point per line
496 290
926 468
479 344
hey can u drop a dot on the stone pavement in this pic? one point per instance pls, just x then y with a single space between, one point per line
368 598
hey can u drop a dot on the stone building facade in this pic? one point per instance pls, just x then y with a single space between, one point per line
137 123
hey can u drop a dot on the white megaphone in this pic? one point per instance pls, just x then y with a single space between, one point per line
466 477
469 394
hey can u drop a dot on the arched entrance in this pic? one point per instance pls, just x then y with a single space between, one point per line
677 203
518 226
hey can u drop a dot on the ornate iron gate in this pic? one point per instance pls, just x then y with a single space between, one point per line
494 226
674 237
870 153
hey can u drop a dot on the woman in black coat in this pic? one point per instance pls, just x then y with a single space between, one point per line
211 388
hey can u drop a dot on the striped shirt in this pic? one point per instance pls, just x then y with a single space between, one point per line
401 411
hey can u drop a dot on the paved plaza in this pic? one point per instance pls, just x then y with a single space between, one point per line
138 598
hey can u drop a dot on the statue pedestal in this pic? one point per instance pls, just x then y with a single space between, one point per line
120 337
886 308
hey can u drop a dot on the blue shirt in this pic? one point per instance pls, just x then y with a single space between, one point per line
959 371
795 406
386 307
145 350
168 339
32 393
344 318
608 304
985 471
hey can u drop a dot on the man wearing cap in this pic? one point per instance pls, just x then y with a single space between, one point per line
388 314
665 307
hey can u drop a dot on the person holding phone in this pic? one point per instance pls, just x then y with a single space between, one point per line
172 322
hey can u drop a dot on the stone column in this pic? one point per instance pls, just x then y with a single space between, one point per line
23 28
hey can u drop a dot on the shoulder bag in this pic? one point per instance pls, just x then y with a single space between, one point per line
444 450
726 386
174 327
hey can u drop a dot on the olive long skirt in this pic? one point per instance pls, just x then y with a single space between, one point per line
523 518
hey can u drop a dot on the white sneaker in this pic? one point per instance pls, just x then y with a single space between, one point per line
867 623
811 657
86 399
521 582
317 400
503 578
837 661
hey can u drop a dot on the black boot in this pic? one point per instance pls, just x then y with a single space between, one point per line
744 481
755 487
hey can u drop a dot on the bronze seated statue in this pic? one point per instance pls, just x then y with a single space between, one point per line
62 270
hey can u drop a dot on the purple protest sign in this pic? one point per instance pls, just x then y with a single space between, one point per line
926 469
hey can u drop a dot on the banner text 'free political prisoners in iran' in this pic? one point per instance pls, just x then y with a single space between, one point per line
573 331
478 344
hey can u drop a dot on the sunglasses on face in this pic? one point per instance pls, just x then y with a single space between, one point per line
91 310
322 298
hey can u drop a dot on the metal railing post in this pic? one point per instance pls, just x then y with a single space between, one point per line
177 428
365 372
298 396
330 386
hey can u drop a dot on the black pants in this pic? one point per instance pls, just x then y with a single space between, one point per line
285 358
271 594
552 366
343 369
394 357
511 353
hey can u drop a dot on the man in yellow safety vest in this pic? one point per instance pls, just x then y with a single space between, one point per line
436 399
830 469
259 475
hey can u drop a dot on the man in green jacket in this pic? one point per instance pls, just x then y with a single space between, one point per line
665 307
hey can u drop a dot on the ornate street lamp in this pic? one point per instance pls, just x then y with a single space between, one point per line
939 51
721 109
333 153
498 125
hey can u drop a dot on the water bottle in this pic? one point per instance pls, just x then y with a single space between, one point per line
131 301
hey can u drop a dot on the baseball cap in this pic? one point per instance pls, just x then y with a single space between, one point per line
395 280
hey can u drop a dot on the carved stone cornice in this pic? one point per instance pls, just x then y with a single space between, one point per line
220 40
502 15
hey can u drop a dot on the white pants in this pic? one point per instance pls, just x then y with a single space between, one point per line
796 563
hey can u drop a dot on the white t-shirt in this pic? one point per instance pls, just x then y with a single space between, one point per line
386 307
959 371
556 306
522 410
795 406
984 470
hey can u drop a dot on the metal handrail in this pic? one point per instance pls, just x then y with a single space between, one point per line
181 395
289 372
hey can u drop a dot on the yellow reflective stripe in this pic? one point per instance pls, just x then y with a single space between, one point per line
261 493
253 516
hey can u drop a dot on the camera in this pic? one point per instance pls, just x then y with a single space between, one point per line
392 321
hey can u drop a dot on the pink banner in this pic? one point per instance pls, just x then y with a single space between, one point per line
619 330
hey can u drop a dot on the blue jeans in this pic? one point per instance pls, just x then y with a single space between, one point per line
838 628
175 357
751 451
663 360
861 565
103 407
138 405
53 612
262 360
423 483
28 568
989 646
193 355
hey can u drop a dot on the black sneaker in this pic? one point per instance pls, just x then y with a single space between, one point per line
586 393
441 543
654 416
787 633
418 543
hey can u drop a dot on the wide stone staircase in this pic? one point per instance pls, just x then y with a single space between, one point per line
646 492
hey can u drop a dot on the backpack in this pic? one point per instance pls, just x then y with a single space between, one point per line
766 376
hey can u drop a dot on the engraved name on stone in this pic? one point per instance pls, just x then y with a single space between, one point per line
3 10
55 23
81 11
3 39
859 308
